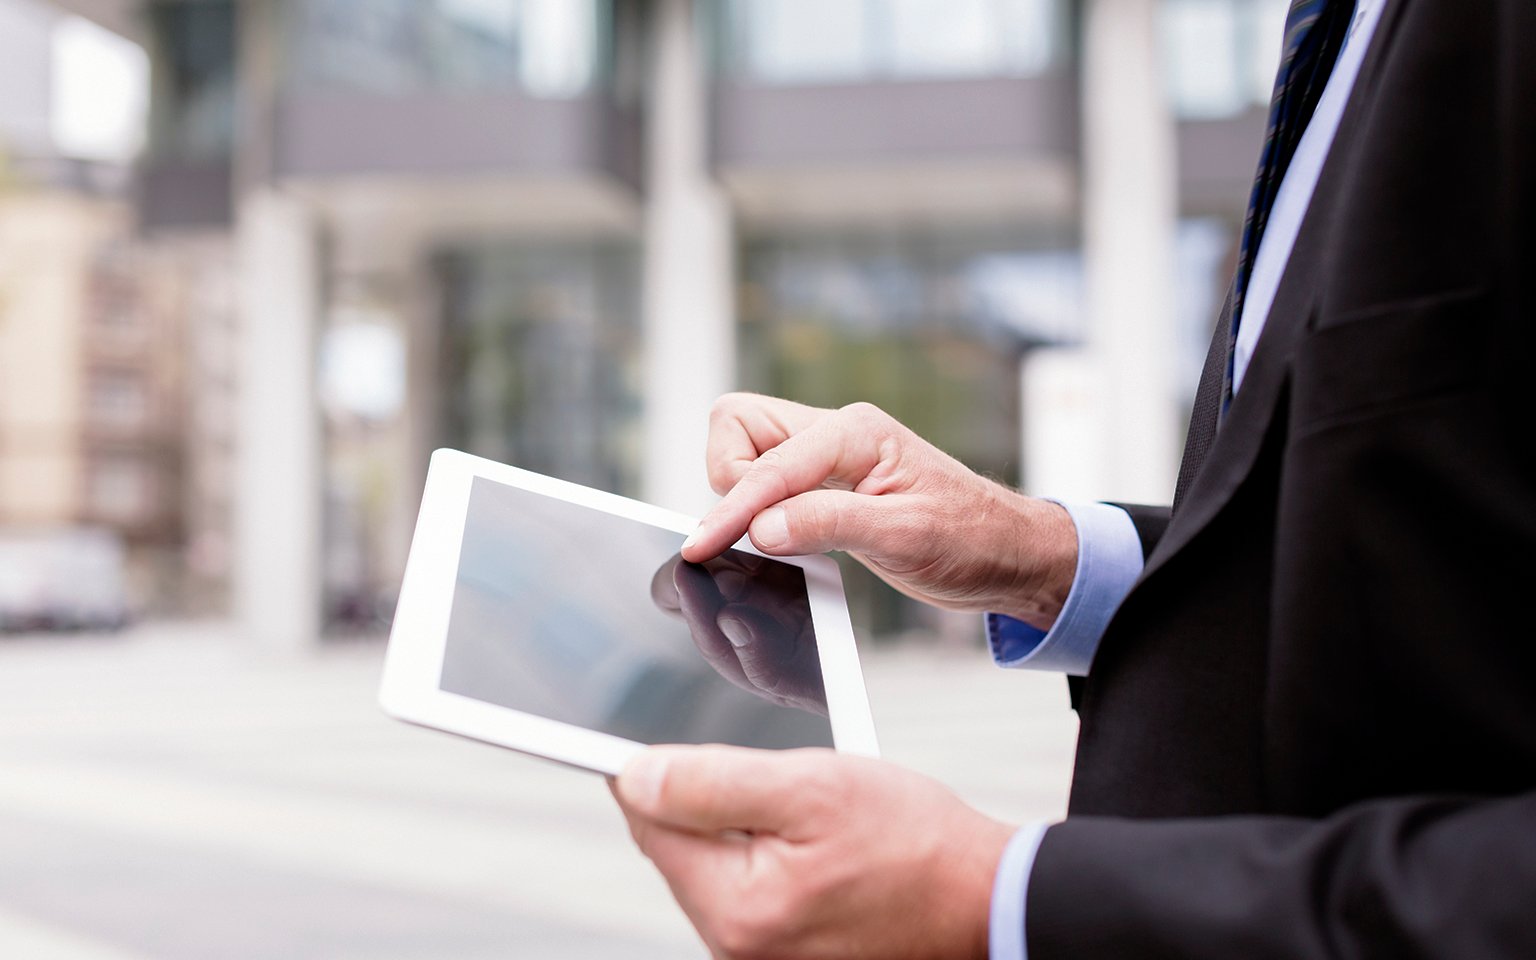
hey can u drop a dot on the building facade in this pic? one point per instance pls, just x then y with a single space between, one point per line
550 231
104 338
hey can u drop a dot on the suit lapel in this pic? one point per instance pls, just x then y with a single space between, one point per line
1241 436
1207 409
1237 444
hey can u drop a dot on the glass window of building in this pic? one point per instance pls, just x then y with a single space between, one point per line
1220 56
1204 70
541 358
559 47
118 397
192 60
1205 258
767 41
361 381
118 489
100 88
774 46
116 294
932 326
362 364
543 48
954 38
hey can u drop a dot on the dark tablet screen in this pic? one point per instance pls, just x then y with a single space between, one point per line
595 620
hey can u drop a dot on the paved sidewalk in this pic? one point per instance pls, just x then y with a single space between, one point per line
167 794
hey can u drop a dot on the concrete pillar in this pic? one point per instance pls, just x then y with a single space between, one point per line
278 517
425 391
1130 198
688 298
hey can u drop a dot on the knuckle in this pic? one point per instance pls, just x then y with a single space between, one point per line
810 518
722 469
754 477
925 527
726 406
767 473
722 480
769 461
864 413
736 405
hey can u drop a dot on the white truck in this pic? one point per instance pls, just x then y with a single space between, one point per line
62 579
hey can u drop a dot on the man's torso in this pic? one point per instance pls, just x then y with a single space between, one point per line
1336 611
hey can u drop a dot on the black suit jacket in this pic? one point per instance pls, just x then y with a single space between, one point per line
1310 730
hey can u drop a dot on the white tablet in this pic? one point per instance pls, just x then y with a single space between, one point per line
561 621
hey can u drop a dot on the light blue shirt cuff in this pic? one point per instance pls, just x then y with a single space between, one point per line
1005 927
1108 562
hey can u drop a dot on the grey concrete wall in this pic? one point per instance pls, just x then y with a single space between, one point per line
338 134
175 194
757 125
1216 163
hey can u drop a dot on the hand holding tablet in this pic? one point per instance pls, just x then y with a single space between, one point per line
560 621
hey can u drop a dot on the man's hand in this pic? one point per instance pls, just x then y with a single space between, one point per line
799 479
811 854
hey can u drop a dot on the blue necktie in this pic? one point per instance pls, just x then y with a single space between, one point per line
1315 31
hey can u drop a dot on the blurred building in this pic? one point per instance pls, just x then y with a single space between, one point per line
551 231
91 383
93 378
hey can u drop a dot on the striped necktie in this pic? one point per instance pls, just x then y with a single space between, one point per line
1315 31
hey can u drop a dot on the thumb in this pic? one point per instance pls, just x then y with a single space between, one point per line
714 788
822 520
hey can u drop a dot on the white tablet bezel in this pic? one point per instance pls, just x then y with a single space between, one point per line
414 662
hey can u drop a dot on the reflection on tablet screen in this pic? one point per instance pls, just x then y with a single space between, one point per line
594 620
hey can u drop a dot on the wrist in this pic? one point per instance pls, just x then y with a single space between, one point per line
971 871
1042 546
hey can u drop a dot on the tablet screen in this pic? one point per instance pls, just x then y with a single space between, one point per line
593 619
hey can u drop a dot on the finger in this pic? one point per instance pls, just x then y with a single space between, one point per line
744 426
695 867
890 526
709 789
845 448
688 859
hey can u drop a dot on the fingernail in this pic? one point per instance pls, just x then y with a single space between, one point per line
736 632
693 537
640 781
771 528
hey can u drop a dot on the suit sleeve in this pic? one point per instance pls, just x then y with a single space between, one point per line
1150 522
1404 878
